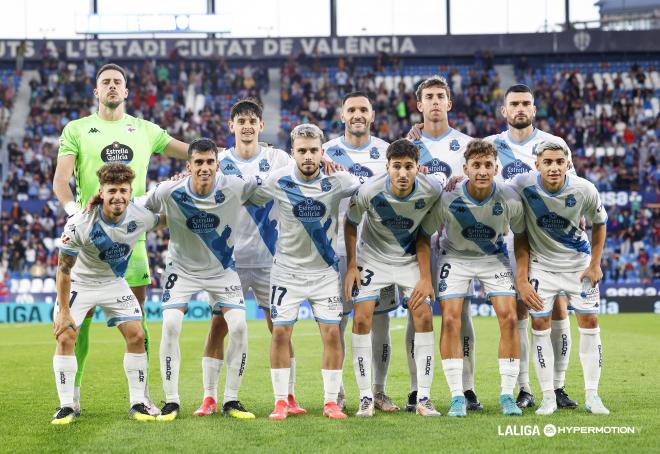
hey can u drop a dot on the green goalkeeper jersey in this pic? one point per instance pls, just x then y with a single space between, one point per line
95 142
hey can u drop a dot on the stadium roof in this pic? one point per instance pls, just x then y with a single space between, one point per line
620 6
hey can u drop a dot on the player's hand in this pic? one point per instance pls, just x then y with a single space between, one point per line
423 170
595 273
351 281
62 322
529 296
415 132
95 200
453 182
179 176
330 167
423 290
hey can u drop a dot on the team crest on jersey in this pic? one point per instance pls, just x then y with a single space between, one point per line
420 204
570 201
514 168
219 196
454 145
442 285
166 296
437 166
132 227
326 185
374 153
497 209
264 166
273 311
360 171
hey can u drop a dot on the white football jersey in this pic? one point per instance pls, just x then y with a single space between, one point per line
389 230
104 249
553 221
201 226
363 162
474 230
256 238
444 154
309 212
515 158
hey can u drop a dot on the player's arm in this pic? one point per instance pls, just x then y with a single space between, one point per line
352 278
61 188
176 149
64 321
424 287
525 289
594 271
161 223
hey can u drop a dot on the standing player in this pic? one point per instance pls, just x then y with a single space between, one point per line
103 241
107 136
201 211
364 156
395 204
517 149
476 214
306 265
255 240
441 149
555 257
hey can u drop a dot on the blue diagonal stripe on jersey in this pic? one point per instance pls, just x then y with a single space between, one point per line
540 209
424 153
267 227
104 243
217 244
317 232
466 219
229 167
386 212
339 155
504 152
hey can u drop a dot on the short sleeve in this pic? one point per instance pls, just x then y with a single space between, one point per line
263 192
516 213
152 200
247 186
72 235
280 159
158 137
433 219
594 210
357 207
349 183
69 144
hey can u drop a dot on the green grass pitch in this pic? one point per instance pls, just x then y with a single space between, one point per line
629 387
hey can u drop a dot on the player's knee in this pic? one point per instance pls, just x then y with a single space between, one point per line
135 338
238 327
521 311
509 322
67 340
424 319
172 326
588 321
362 322
540 323
280 336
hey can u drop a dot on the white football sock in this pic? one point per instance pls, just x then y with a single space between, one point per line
280 380
561 344
170 354
523 375
292 377
453 369
509 369
361 348
425 359
468 342
381 348
544 361
211 368
236 353
591 357
331 382
65 368
135 366
410 353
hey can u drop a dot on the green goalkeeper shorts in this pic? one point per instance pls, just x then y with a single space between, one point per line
137 272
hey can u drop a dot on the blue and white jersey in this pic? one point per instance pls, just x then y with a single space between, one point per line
363 162
474 230
201 226
552 221
444 154
389 230
309 212
104 249
256 238
515 158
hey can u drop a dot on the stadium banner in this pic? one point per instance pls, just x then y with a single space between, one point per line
576 41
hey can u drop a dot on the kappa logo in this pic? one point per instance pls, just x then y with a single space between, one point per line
337 152
570 201
130 128
374 153
290 185
136 311
229 168
497 209
145 276
454 145
93 131
132 227
219 196
326 186
420 204
264 166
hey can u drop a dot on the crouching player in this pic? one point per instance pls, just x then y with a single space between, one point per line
476 214
95 251
395 203
554 258
306 264
201 210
